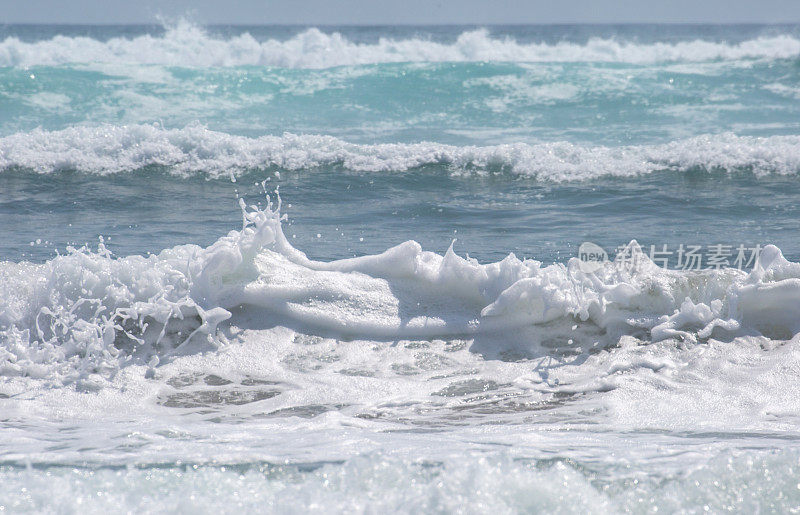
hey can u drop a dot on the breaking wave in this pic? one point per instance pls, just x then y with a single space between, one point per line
185 44
195 150
89 313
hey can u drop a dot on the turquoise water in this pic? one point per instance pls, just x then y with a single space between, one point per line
157 352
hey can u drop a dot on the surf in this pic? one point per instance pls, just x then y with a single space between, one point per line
89 310
187 44
197 151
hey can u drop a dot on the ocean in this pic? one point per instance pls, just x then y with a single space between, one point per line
439 269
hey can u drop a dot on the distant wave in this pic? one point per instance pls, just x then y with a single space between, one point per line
195 150
188 45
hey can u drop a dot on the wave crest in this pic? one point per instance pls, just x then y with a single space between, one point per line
196 150
89 313
185 44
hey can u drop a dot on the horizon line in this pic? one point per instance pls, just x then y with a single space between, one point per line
407 24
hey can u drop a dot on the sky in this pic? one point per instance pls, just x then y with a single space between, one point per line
365 12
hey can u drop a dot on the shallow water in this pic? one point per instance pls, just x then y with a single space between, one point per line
365 341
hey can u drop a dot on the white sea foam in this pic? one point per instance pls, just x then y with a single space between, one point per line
379 483
197 150
188 45
403 380
783 90
86 313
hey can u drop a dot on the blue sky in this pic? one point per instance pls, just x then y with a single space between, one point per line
400 11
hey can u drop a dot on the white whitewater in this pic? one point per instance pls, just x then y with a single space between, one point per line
196 150
185 44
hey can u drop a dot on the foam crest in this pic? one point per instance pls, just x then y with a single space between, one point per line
185 44
195 150
85 314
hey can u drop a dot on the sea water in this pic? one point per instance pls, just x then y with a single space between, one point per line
339 268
